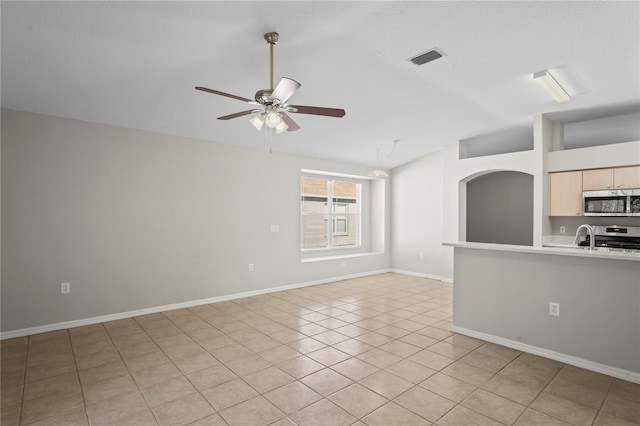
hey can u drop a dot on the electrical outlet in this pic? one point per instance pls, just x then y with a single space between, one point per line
251 267
65 288
554 309
343 264
563 230
275 228
421 255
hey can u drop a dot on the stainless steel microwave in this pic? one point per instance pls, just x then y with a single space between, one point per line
620 202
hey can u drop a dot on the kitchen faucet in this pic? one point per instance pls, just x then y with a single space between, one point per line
589 229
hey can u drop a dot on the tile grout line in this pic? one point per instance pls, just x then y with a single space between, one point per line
130 372
22 401
528 406
24 380
75 363
604 400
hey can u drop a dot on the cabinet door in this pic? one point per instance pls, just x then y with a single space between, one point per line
565 193
596 179
627 177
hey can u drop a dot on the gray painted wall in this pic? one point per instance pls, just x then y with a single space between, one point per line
500 208
507 294
416 199
602 131
135 220
507 140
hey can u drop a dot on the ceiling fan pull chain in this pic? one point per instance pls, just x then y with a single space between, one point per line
268 140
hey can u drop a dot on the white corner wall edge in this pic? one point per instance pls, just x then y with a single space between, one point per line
129 314
420 274
618 373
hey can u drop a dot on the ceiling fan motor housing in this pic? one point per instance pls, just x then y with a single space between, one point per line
272 38
262 96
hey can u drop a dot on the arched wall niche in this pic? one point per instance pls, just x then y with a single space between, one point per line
496 206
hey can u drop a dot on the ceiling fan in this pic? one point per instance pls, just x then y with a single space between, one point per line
272 103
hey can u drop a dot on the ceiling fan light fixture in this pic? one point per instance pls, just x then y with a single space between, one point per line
257 121
272 119
551 85
281 128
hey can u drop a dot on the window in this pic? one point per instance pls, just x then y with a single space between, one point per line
340 219
330 213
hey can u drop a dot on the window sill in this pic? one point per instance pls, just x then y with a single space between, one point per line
338 256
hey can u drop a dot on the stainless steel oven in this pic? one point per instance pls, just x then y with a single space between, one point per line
613 237
620 202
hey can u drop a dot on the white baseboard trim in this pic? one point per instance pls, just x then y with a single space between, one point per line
129 314
556 356
420 274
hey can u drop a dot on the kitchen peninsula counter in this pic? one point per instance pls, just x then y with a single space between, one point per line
557 250
502 294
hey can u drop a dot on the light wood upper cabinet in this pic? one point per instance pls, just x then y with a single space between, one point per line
612 178
595 179
626 177
565 193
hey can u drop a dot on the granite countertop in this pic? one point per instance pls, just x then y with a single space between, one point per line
560 250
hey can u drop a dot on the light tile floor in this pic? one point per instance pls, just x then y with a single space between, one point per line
368 351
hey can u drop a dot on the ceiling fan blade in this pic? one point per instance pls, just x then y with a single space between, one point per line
328 112
292 125
238 114
284 90
228 95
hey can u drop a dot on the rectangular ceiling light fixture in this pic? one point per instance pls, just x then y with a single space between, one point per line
429 56
557 92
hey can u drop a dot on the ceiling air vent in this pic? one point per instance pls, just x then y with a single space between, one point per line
429 56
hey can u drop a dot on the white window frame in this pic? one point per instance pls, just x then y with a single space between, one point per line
329 228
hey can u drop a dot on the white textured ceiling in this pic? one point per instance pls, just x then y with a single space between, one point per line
135 64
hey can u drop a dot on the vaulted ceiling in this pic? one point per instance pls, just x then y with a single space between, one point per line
135 64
